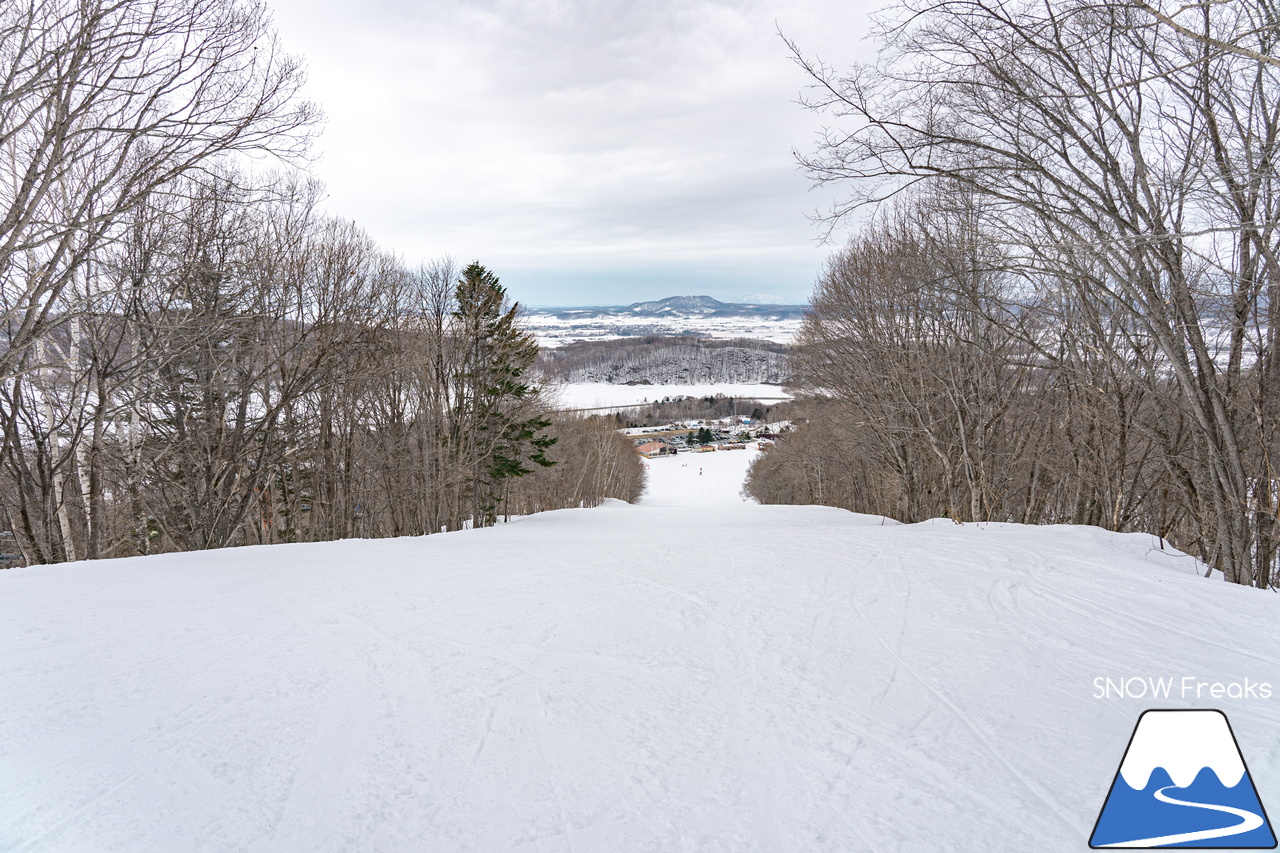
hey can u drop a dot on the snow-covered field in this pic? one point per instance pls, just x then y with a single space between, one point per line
599 395
693 673
552 331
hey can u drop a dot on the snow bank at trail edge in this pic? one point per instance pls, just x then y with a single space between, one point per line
720 676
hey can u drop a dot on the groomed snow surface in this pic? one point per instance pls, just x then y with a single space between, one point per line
693 673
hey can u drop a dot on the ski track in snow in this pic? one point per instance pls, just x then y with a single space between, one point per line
693 673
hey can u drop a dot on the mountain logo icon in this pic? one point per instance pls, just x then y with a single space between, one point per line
1183 783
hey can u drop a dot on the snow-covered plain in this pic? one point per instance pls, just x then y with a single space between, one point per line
604 397
552 331
693 673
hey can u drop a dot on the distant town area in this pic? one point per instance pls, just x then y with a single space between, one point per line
705 436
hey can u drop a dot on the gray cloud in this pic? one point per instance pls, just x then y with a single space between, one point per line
581 149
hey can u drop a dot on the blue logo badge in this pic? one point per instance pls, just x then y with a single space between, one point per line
1183 783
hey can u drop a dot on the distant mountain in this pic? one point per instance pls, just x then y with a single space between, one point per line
680 306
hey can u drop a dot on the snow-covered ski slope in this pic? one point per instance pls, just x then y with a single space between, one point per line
694 673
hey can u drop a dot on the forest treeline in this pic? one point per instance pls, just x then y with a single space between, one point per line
1065 308
667 360
193 356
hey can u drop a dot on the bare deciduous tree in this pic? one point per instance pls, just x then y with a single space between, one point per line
1115 156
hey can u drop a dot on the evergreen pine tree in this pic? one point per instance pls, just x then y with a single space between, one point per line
505 429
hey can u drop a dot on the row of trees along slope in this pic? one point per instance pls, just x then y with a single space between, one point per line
1067 306
192 355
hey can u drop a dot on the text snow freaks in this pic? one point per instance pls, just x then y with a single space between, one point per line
1186 687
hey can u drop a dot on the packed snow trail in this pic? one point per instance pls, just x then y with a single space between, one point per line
697 479
661 677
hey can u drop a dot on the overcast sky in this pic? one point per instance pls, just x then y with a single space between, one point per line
588 151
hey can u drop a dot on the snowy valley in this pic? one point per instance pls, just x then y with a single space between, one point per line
675 315
681 357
